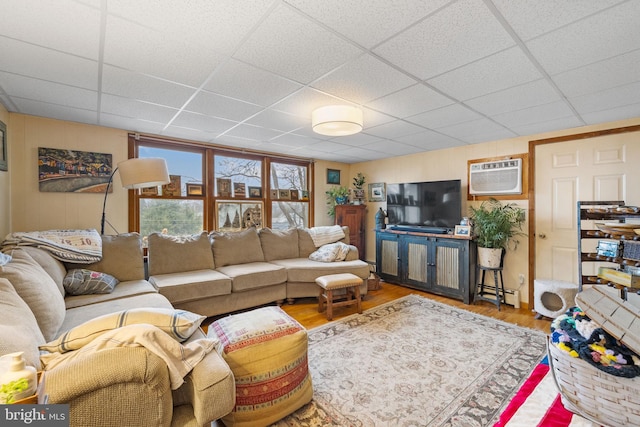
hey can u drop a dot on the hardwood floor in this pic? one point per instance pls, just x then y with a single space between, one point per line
305 310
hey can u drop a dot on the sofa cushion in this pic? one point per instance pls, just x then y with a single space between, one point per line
191 285
175 254
54 267
19 329
179 324
279 244
81 281
306 270
254 275
122 257
123 290
236 247
37 289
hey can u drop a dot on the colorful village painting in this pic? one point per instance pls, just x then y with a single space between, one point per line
71 171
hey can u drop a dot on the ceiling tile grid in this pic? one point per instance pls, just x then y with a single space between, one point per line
248 73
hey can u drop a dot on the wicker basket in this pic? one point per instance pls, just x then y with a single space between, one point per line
593 394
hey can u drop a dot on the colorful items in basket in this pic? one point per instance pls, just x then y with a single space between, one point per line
575 333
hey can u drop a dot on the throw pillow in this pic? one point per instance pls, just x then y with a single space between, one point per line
19 329
81 281
330 253
37 289
180 324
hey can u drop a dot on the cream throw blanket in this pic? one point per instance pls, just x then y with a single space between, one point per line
78 246
180 358
326 234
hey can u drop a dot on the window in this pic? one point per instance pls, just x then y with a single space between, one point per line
209 184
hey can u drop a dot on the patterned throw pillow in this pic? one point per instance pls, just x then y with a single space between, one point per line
80 281
179 324
331 252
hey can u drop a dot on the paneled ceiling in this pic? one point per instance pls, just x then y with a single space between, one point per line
429 74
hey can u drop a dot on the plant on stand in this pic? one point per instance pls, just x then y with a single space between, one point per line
496 227
338 195
358 192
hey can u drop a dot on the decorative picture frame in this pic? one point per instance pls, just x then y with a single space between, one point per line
149 191
224 187
304 195
71 171
4 159
239 189
462 230
284 194
333 176
295 194
173 188
255 192
377 192
236 216
194 189
273 194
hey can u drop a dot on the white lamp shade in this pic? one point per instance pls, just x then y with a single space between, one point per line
143 172
337 120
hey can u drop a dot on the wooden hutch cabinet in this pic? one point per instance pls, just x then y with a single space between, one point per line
353 216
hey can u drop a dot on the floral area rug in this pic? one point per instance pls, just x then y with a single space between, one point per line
416 362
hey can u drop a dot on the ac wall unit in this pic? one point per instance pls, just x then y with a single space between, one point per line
496 177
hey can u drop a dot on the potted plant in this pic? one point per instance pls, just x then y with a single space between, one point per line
496 227
358 192
338 195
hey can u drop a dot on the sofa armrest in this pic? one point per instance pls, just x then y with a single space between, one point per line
210 389
353 254
117 386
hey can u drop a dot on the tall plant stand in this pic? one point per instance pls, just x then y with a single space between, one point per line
498 284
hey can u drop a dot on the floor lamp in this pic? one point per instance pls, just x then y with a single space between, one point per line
137 173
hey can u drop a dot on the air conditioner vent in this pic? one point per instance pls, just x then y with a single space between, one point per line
496 177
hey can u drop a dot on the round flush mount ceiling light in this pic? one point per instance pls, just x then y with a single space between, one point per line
337 120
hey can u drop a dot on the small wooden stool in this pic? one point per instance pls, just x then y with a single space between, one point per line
347 281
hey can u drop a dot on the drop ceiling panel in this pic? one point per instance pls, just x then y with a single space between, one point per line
531 19
224 107
278 120
410 101
284 34
135 125
394 129
518 97
620 113
49 24
247 83
497 72
395 147
463 32
203 123
33 61
126 107
363 79
430 140
304 101
357 140
476 130
363 155
607 99
444 116
120 82
367 22
613 32
253 132
548 126
55 111
537 114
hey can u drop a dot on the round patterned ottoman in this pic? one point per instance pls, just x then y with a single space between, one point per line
267 351
552 298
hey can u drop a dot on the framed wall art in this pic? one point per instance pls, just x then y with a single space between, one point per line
149 191
333 176
224 187
4 160
236 216
273 194
377 192
174 187
255 192
462 230
194 189
239 189
70 171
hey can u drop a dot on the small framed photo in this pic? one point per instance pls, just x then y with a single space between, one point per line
304 195
195 189
224 187
173 188
273 194
462 230
295 195
284 194
255 192
239 189
149 191
377 192
333 176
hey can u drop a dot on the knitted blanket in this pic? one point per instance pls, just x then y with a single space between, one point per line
77 246
326 234
575 333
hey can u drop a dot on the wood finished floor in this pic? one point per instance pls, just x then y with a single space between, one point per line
305 310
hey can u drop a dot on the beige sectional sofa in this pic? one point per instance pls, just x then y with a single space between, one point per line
216 273
113 386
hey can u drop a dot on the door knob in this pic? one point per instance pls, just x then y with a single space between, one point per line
542 235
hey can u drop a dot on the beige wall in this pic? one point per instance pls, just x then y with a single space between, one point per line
30 209
35 210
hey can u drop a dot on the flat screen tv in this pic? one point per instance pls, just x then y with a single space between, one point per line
433 206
